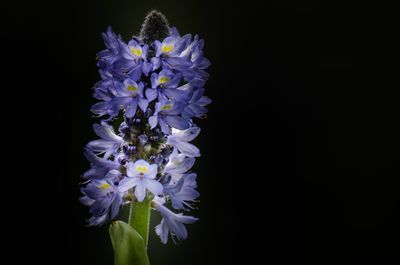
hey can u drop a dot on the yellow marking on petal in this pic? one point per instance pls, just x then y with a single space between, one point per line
167 48
163 79
104 186
167 107
132 88
176 162
142 169
136 52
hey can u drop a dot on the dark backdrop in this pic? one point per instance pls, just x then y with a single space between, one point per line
299 149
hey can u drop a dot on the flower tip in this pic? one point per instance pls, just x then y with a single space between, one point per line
155 27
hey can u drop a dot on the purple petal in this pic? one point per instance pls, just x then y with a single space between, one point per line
151 94
164 126
186 219
106 132
131 109
203 101
177 122
146 68
196 110
173 93
153 120
180 167
100 145
143 103
135 73
115 206
154 80
178 229
156 63
187 149
162 231
85 200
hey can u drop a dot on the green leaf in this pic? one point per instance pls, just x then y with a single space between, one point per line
129 247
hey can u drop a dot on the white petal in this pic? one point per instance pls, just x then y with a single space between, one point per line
142 163
130 170
140 190
154 186
186 135
127 183
152 173
187 149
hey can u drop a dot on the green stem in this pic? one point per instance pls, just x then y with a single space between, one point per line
139 218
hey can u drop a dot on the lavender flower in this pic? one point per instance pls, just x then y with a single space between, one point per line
104 201
99 166
177 165
171 223
154 84
167 115
183 192
109 142
141 176
180 139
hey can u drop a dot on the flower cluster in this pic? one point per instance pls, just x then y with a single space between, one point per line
154 90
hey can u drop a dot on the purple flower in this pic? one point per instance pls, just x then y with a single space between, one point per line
127 95
177 165
104 200
165 79
111 41
167 115
171 46
196 106
197 55
133 94
173 53
183 192
109 142
99 166
123 68
183 55
134 51
165 84
151 89
172 223
107 91
179 139
141 175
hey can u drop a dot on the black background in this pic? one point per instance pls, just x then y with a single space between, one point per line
299 151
